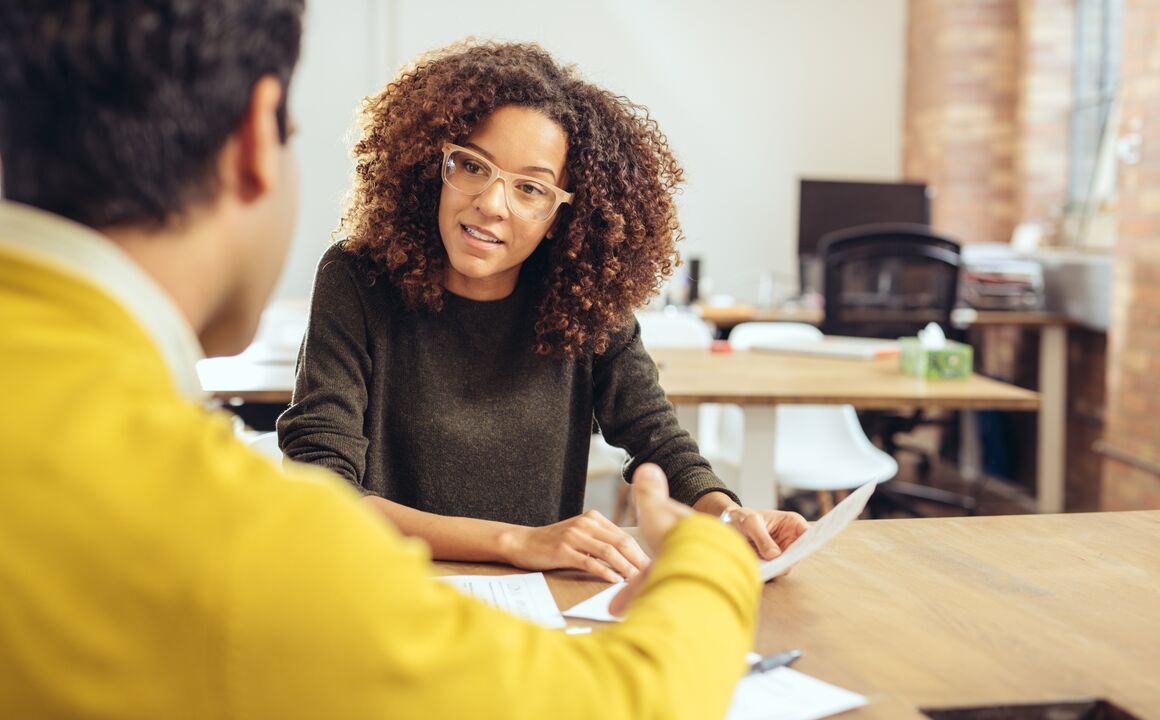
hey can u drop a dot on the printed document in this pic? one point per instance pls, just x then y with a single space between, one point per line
524 595
819 533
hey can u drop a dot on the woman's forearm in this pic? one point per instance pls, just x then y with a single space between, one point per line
452 538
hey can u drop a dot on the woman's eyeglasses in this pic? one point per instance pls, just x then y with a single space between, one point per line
471 173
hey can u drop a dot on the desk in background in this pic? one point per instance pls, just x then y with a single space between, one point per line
759 381
964 611
1051 431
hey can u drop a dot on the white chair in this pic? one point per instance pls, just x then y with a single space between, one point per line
673 329
818 447
267 444
670 328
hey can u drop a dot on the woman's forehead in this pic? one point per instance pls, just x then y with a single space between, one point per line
522 140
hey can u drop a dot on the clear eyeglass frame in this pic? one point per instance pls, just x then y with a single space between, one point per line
559 195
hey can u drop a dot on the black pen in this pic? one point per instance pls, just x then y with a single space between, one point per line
769 662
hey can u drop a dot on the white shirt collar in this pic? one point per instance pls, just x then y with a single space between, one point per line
86 254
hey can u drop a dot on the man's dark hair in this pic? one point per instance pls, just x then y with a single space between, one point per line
112 112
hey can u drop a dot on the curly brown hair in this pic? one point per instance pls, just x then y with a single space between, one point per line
611 248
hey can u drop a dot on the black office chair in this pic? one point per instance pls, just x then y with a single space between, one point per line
888 281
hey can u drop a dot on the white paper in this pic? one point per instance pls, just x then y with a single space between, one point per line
786 694
596 607
524 595
819 533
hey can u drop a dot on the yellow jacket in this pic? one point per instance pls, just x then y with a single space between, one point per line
151 566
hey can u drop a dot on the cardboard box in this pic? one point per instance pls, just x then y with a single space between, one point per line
953 361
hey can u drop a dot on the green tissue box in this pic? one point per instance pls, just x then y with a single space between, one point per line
953 360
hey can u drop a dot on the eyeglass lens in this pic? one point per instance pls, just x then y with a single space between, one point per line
469 173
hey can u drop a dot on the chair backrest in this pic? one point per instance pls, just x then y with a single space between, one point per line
267 444
746 335
662 329
888 280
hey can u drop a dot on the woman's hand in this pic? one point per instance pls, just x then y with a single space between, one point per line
588 542
770 532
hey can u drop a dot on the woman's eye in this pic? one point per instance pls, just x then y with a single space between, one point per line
474 167
531 189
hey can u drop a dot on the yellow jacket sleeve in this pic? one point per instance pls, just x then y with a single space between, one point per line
334 615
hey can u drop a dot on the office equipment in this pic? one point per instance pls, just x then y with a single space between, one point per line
772 662
825 206
524 595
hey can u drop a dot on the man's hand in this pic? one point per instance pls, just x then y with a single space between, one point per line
657 515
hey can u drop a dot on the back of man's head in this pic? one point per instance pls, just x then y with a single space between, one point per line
113 112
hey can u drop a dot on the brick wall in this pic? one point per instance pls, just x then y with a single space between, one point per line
959 133
987 112
1043 111
1133 363
989 94
1132 430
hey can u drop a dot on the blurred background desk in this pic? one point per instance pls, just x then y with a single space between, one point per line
759 381
954 612
1052 376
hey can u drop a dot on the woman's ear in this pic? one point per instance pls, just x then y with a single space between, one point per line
552 228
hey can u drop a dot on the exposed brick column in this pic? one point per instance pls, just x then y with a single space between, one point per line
1043 111
1132 429
960 131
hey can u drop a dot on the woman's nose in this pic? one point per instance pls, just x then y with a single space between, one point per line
493 200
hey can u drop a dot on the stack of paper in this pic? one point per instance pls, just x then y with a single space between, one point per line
835 346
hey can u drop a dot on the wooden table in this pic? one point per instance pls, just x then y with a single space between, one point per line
759 381
1050 426
966 611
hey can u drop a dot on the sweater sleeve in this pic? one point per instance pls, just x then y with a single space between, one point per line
634 414
356 627
324 423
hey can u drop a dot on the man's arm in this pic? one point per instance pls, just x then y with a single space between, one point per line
332 614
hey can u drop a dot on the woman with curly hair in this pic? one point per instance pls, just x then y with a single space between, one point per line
507 218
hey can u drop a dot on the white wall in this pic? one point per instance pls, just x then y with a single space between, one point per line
344 59
752 95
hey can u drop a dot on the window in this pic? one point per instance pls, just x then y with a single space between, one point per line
1091 182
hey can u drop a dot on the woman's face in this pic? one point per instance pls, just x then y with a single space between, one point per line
485 241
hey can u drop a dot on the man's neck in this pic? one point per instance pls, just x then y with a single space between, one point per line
187 261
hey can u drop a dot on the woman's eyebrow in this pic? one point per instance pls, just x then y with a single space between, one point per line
528 169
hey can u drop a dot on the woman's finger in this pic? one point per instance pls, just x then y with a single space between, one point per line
752 526
624 543
624 599
589 564
606 552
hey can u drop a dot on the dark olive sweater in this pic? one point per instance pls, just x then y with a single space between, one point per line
452 413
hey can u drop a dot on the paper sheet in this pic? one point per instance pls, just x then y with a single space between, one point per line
819 533
524 595
786 694
596 607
